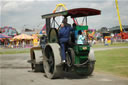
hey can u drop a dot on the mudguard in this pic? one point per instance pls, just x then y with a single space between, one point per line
91 55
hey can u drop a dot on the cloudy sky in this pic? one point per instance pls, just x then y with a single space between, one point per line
27 13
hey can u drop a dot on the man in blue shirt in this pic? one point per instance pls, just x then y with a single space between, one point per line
64 34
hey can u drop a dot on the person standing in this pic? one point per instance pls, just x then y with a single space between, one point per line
64 34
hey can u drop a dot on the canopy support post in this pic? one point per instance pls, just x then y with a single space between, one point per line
47 25
86 21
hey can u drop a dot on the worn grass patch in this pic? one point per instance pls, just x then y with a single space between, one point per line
113 61
15 51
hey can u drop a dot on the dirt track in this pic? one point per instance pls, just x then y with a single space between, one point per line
16 71
26 77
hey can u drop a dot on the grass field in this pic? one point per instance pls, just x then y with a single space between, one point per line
26 50
111 45
112 61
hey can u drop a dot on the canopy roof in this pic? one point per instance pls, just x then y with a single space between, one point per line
4 36
77 12
23 36
35 36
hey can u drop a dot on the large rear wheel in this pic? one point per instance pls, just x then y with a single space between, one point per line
51 61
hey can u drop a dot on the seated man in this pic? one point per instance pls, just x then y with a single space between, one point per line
80 38
64 34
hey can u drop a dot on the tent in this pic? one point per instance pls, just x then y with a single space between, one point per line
4 36
1 36
35 36
22 40
4 39
23 36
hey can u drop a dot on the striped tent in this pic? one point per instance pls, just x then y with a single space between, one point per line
4 36
35 36
23 36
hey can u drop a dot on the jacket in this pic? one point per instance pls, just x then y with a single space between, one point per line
64 34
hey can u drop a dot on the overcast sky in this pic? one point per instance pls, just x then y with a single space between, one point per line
21 13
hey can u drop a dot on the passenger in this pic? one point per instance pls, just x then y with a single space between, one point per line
64 34
80 38
43 41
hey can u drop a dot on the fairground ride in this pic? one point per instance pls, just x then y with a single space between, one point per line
123 34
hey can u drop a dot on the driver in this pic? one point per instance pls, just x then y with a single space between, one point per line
64 33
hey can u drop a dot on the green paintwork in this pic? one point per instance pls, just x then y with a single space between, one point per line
78 27
80 57
74 13
81 70
55 14
81 54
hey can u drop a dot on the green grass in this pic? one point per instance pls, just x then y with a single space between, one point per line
113 61
15 51
110 45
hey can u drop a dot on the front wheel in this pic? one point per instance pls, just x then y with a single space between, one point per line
90 68
70 57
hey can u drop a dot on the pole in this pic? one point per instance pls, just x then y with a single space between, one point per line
118 13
